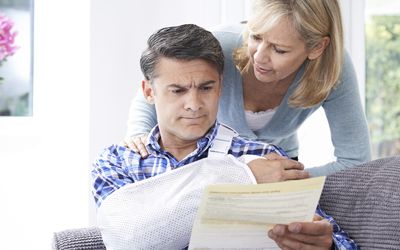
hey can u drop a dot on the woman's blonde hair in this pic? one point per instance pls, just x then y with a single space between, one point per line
313 20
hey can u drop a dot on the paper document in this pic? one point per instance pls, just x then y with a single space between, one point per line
239 216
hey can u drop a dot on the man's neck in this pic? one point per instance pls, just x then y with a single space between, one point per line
178 149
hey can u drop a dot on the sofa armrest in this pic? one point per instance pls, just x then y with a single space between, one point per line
78 239
365 202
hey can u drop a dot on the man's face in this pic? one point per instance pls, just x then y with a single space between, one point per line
185 94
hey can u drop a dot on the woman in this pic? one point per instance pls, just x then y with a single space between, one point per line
288 62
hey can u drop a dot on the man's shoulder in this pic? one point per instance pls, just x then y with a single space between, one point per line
238 140
117 152
242 146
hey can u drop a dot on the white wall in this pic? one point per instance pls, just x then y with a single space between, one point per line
44 158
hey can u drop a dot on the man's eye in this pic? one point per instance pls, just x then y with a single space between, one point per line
206 88
177 91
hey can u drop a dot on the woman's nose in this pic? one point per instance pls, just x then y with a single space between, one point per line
262 54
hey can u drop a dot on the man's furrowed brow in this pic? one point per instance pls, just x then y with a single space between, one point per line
189 85
177 85
206 83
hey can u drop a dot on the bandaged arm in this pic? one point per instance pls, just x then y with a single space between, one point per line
158 213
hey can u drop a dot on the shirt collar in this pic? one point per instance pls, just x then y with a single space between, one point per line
153 147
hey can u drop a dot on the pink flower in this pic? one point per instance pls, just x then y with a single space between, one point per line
7 47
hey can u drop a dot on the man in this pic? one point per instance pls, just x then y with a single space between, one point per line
151 203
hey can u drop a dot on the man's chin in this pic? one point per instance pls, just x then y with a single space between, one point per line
193 133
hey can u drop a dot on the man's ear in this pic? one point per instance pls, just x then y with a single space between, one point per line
319 49
148 91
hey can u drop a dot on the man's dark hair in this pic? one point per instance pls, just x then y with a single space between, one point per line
183 42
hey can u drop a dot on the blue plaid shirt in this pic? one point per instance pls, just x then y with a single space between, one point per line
118 166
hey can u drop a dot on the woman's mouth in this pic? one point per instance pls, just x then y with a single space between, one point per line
262 70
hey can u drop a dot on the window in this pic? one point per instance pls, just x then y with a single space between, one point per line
16 58
382 88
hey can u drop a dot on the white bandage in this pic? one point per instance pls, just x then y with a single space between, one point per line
158 213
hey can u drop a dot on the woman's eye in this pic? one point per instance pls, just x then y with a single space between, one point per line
255 37
279 51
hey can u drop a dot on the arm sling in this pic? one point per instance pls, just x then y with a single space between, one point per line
158 213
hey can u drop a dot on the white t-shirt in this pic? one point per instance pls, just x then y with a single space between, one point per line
258 120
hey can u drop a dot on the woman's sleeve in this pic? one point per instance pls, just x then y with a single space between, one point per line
347 123
142 116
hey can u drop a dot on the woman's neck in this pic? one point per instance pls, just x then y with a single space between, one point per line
261 96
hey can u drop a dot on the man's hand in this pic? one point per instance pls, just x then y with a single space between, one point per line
303 235
136 144
275 168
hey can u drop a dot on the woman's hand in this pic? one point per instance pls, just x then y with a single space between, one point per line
275 168
137 144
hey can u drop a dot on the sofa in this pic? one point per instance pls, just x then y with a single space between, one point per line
364 200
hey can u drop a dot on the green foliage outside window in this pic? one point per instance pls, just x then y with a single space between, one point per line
383 84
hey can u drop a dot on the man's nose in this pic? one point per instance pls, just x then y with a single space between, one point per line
193 100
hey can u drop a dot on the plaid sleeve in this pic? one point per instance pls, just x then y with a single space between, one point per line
242 146
341 239
108 172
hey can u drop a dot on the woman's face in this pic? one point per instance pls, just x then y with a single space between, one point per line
276 54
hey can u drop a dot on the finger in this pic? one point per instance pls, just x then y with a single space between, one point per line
275 238
317 217
288 240
127 142
143 152
287 163
123 143
287 243
306 239
311 228
274 156
294 174
132 146
143 139
280 230
291 164
140 146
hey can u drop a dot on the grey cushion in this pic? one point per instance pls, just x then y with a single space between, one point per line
365 201
78 239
